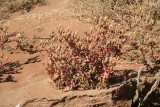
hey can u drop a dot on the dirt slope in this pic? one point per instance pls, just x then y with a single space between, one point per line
30 79
31 85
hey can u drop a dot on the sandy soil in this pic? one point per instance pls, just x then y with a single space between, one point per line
31 86
30 80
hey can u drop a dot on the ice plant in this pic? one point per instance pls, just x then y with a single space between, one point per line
3 40
83 61
23 44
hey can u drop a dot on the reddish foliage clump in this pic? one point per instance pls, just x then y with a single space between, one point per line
83 61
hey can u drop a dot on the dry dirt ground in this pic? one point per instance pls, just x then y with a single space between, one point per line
31 86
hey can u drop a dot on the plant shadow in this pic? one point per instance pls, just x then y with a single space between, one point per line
121 76
33 60
11 68
6 74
